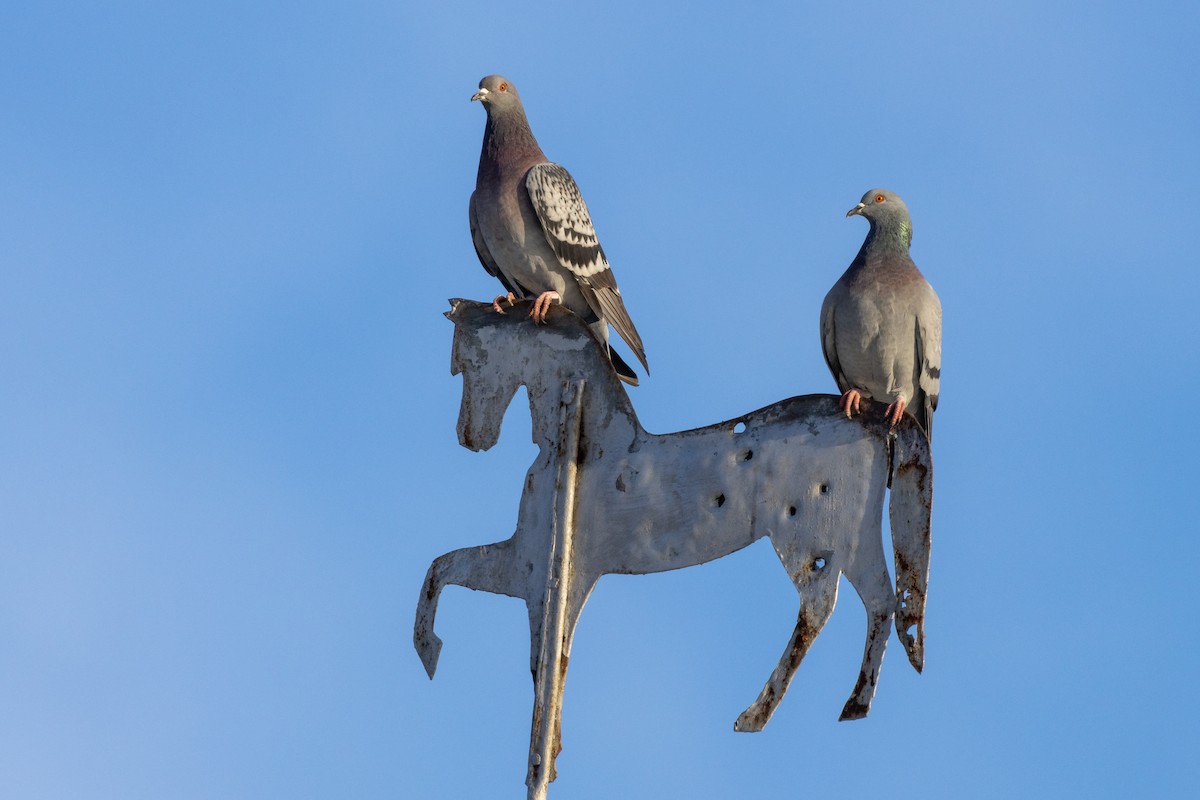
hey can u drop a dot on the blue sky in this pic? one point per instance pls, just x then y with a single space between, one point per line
227 451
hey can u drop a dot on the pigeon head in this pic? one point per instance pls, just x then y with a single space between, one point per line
508 144
497 93
886 212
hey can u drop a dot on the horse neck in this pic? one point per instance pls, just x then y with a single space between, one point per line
547 380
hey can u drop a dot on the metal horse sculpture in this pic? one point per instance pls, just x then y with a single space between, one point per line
604 496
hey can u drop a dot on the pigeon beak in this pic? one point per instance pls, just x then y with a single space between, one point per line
858 209
481 95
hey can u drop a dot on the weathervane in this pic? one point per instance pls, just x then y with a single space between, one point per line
605 496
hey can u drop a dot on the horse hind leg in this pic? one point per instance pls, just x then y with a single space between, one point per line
816 579
875 591
486 568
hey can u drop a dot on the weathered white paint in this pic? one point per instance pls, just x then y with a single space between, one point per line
605 496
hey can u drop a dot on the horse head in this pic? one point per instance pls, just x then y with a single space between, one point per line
489 382
497 353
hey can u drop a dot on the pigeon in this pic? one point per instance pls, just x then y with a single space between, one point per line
532 230
881 323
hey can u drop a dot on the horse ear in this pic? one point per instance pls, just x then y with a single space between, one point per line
455 304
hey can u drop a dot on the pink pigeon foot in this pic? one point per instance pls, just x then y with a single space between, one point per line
510 297
895 411
541 306
849 402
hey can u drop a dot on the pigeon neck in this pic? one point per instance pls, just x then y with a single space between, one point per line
887 239
508 142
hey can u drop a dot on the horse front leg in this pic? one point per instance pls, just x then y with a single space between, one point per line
816 579
488 568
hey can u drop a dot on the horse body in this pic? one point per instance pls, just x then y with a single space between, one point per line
797 471
681 499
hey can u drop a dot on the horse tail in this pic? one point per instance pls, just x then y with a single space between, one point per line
909 508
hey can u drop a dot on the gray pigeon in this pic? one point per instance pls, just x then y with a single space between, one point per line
532 230
881 323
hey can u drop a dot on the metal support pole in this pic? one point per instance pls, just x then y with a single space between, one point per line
546 739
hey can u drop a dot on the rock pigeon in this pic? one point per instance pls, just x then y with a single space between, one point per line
881 323
532 230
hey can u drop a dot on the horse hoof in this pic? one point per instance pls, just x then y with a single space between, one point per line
751 721
429 648
854 710
916 653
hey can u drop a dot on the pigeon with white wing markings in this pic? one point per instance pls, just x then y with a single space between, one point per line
881 323
532 230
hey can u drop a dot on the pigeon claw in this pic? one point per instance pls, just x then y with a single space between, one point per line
510 297
541 306
895 411
850 402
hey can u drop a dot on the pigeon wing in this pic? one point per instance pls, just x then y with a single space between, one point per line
829 338
485 255
568 227
929 353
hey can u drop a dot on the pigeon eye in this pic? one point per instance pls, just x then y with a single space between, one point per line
503 87
880 198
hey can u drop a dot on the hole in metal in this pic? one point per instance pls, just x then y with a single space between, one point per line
720 500
739 428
